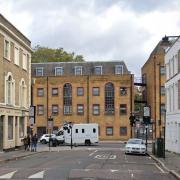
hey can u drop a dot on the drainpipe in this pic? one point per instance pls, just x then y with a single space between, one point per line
87 98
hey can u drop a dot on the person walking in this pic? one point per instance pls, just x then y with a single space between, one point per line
28 142
34 141
25 143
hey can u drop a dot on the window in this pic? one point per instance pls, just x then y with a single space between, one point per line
54 109
94 130
162 70
21 127
80 109
76 130
163 108
58 71
119 69
39 71
80 91
123 109
96 109
7 49
98 70
109 131
96 91
16 56
109 99
123 131
22 94
163 90
10 127
10 89
40 109
40 92
24 61
83 131
67 98
123 91
54 91
78 70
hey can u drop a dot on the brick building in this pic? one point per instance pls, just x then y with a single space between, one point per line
86 92
153 73
15 60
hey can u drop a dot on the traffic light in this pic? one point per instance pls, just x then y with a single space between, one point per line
132 119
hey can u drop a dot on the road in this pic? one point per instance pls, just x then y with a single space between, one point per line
105 161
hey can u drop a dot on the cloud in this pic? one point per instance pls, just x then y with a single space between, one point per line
97 29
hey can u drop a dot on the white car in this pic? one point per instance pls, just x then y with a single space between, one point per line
135 146
45 138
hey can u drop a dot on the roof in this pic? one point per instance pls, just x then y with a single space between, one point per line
108 67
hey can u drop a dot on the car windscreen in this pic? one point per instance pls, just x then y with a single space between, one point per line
133 141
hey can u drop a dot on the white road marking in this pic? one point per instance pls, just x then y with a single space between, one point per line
37 175
93 153
8 175
112 157
113 170
159 168
132 175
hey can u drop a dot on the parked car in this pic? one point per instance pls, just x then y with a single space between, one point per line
135 146
45 138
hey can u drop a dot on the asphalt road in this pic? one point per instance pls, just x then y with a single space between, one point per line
105 161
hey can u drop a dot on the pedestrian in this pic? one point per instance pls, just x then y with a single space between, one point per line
28 142
34 140
25 143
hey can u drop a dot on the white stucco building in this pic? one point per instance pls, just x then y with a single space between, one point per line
172 62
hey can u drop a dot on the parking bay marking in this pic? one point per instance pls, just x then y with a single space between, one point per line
105 156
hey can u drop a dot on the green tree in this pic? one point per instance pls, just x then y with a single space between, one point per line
45 54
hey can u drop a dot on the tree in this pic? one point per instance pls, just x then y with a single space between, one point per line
45 54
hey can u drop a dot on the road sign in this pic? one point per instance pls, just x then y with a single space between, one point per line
32 111
147 111
50 124
31 120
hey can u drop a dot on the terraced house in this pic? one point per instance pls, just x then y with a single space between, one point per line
84 92
15 60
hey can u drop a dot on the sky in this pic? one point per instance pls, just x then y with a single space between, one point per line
100 30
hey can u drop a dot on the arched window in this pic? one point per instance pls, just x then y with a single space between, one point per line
67 98
109 98
9 89
22 93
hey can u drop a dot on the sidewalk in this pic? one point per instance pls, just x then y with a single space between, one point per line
171 162
15 155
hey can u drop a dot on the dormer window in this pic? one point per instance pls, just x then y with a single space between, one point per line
98 70
39 71
78 70
119 69
58 71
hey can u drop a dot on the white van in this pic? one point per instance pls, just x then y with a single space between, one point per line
81 134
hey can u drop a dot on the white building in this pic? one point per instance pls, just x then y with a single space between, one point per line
172 62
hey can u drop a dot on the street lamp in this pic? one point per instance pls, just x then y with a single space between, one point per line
50 127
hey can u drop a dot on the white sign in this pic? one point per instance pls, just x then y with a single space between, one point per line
147 111
32 111
31 120
50 124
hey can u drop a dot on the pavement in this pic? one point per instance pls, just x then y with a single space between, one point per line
171 162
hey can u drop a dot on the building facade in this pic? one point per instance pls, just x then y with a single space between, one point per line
87 92
172 62
153 74
15 75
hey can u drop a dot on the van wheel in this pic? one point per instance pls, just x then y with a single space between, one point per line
87 142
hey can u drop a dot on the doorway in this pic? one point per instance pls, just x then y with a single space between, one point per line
1 132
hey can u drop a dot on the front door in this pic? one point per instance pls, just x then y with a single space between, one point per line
1 132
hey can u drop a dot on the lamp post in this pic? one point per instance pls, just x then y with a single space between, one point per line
164 144
50 126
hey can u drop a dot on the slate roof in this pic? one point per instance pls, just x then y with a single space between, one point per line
108 67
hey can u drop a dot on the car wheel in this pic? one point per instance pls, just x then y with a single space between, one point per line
43 141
